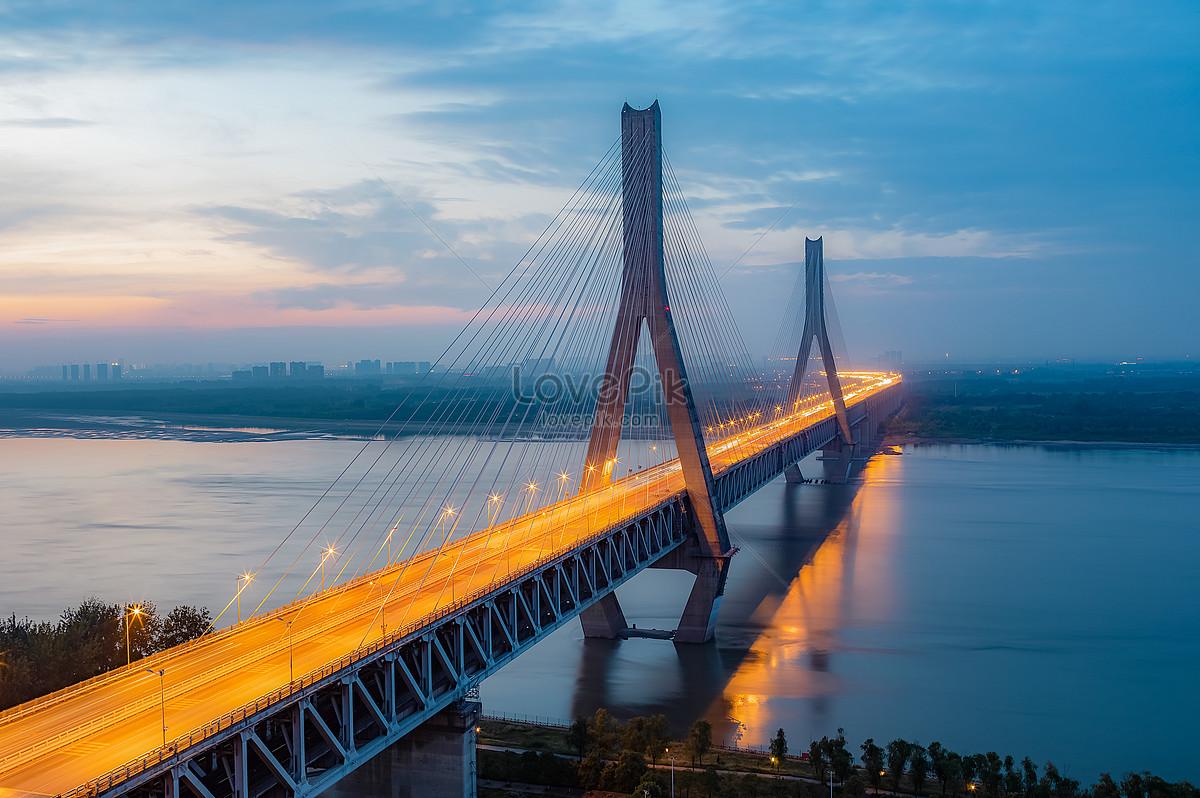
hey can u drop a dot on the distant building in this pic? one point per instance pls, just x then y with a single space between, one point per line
102 372
87 372
278 369
892 359
423 367
259 372
116 371
241 375
66 373
402 367
298 368
315 371
367 368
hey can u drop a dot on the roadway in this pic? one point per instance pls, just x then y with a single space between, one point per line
53 744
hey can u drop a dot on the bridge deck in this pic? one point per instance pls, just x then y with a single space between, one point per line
51 745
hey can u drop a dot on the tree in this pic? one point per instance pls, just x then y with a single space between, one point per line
816 757
710 781
970 768
602 730
589 771
872 759
937 758
1029 772
954 771
1012 776
182 624
657 736
623 774
578 736
897 757
990 766
649 787
918 767
699 741
1106 787
840 759
779 747
1131 786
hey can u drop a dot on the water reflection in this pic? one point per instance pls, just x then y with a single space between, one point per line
794 656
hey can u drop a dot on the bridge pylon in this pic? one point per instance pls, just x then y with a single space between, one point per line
815 328
644 303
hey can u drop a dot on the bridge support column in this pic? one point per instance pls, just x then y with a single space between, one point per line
698 623
604 619
836 459
793 474
437 760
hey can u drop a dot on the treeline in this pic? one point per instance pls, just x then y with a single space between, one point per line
39 657
598 753
1158 411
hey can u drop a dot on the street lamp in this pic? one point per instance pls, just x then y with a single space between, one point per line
291 669
325 555
243 582
132 611
161 673
672 758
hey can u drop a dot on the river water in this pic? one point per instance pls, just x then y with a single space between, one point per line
1030 600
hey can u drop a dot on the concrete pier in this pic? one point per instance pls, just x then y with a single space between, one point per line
435 761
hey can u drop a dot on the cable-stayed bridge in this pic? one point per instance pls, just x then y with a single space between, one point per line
437 558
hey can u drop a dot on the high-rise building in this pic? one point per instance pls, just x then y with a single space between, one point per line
259 372
66 373
241 375
116 371
423 367
367 368
315 371
74 373
102 372
87 372
298 368
278 369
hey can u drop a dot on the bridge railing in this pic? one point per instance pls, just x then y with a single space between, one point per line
172 750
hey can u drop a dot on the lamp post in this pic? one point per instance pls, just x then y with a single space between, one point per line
161 673
244 581
672 758
291 670
325 555
132 611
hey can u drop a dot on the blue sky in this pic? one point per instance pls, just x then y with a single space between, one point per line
240 181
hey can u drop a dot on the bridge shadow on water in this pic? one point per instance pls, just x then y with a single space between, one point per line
797 545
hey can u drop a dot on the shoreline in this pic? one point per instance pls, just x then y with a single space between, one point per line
247 428
894 439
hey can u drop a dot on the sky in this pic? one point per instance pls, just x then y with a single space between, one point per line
234 181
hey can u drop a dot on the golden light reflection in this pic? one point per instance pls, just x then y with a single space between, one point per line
792 657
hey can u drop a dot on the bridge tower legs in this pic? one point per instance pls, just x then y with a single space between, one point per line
644 303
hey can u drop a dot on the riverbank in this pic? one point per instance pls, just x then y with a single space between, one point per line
598 756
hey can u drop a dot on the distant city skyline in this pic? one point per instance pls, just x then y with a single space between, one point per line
1014 181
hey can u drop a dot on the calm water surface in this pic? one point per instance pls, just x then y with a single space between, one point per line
1026 600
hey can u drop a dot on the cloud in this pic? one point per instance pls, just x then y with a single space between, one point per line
872 279
43 320
46 122
354 228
